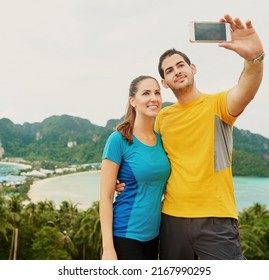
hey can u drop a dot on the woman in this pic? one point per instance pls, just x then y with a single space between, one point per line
134 155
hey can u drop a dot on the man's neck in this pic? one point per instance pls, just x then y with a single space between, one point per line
187 96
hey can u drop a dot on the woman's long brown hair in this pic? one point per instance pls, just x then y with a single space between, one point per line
127 126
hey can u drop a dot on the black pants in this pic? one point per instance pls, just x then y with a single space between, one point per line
130 249
203 238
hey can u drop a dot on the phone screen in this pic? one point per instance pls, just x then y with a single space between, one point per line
205 31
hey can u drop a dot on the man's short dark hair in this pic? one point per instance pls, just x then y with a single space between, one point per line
169 53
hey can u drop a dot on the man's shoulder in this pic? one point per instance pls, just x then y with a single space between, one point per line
214 98
215 94
168 108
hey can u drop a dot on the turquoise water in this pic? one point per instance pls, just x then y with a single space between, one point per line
250 190
83 188
9 173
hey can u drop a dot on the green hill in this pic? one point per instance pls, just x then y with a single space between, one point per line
74 140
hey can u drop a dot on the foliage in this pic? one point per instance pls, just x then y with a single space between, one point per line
5 225
254 231
49 244
47 142
88 237
250 154
46 233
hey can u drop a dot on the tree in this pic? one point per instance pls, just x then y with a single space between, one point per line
254 231
49 244
67 215
89 233
5 225
15 206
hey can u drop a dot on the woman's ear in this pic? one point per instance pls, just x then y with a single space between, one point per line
132 102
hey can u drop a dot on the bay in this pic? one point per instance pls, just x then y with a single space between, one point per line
83 189
9 172
250 190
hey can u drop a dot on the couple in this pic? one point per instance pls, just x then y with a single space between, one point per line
188 156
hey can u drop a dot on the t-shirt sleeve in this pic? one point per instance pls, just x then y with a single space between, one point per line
222 109
113 148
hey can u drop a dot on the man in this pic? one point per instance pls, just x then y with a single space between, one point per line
199 217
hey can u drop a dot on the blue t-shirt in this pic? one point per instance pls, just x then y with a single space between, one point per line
145 170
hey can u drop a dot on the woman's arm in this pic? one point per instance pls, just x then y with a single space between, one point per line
109 172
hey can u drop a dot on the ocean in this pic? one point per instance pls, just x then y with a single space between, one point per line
9 172
83 188
250 190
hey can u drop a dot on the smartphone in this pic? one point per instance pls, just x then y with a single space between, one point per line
209 32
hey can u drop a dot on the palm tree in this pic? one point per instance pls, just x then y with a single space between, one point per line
67 215
30 213
89 233
46 213
5 225
67 243
81 229
95 233
15 206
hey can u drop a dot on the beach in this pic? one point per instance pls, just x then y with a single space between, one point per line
80 188
83 188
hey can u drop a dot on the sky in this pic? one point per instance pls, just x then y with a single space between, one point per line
78 57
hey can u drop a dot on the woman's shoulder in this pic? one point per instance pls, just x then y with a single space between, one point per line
115 136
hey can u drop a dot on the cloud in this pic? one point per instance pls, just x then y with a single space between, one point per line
78 57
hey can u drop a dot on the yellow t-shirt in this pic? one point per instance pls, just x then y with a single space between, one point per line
198 140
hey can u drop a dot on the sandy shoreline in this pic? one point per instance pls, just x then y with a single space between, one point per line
41 183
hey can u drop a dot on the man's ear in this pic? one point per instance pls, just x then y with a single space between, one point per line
164 83
193 68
